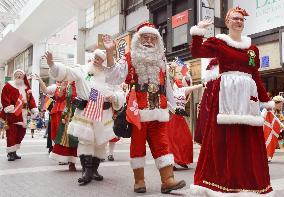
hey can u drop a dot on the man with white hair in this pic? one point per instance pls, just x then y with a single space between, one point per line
93 135
145 69
17 100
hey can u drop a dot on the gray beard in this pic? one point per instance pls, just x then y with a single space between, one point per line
147 63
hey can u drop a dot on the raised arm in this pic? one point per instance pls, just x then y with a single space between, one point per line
188 90
61 72
200 49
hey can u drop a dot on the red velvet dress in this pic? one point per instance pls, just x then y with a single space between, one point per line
63 151
233 155
205 106
56 112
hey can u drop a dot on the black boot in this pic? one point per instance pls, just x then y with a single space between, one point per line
82 160
11 156
96 175
17 156
87 175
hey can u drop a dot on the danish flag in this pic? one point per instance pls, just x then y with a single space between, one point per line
271 128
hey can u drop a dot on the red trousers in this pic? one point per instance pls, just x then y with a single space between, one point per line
155 133
15 134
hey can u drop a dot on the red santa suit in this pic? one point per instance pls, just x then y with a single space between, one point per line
211 75
145 69
233 155
17 124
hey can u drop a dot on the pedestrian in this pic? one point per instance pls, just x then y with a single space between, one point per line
144 70
180 138
111 145
32 126
17 99
93 135
211 75
232 158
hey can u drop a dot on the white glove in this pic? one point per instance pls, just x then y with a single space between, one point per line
9 109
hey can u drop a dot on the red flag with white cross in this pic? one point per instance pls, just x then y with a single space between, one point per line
271 128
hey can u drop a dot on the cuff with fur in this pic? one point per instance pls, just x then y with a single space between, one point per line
197 31
268 105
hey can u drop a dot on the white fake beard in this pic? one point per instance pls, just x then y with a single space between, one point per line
94 70
147 63
19 82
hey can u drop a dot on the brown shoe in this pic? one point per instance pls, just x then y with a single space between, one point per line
168 181
72 167
139 186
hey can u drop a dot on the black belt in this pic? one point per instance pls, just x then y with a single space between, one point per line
81 104
145 88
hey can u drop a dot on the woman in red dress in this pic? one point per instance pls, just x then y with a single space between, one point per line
65 146
233 156
180 138
211 75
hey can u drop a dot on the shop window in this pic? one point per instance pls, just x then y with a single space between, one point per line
132 5
180 35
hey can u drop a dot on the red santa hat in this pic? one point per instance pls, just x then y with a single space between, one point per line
147 28
213 62
25 77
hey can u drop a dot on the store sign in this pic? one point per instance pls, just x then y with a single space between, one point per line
264 62
263 14
180 19
122 45
207 12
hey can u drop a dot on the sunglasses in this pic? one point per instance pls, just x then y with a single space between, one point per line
238 19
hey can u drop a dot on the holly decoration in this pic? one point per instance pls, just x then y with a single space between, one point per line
251 55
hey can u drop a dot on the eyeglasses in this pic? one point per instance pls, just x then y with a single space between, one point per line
149 37
238 19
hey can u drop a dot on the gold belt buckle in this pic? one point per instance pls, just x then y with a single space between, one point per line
153 88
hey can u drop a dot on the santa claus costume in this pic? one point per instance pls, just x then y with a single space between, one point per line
144 68
93 135
65 146
180 138
211 75
233 156
17 97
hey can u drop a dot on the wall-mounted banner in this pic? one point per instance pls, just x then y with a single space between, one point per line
180 19
264 14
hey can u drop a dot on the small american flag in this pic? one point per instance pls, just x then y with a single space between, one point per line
94 109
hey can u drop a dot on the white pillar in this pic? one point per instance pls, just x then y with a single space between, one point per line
81 37
38 51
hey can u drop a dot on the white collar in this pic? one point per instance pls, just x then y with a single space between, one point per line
244 44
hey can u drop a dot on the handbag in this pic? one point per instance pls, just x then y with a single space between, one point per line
121 127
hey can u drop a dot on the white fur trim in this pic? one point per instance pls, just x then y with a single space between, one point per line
197 31
62 158
199 191
210 75
9 109
100 53
161 115
244 44
148 30
268 105
137 162
19 70
81 131
12 148
240 119
165 160
58 71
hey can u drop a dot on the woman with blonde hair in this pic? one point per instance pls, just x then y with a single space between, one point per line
233 155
